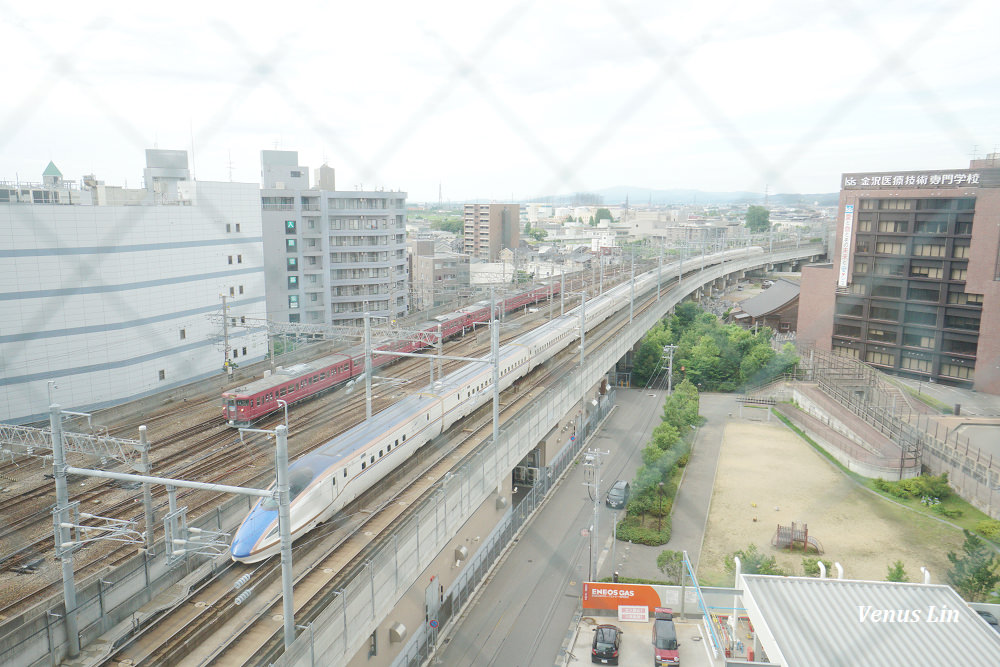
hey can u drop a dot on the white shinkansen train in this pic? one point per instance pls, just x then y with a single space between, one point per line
324 481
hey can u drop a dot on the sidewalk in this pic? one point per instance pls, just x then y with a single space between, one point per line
690 511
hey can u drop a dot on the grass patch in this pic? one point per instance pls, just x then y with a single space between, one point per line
637 580
968 518
930 401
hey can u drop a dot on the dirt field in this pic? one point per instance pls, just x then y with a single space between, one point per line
768 464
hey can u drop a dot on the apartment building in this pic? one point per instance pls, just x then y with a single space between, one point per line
489 228
330 255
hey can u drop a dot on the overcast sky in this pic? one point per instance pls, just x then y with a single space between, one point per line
501 100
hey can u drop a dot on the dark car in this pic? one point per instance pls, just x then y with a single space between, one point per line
607 641
989 618
618 495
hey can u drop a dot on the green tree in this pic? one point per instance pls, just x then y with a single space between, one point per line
752 561
974 573
539 234
758 219
593 223
671 564
897 572
453 226
603 214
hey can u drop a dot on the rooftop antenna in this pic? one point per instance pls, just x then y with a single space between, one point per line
975 151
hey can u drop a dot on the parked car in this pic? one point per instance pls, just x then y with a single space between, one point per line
989 618
607 642
665 645
618 495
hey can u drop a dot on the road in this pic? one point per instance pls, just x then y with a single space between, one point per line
521 617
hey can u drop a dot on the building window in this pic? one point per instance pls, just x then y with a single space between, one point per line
923 294
237 227
912 364
928 250
891 291
295 173
239 259
882 313
232 291
289 226
183 334
918 340
960 322
230 259
293 300
886 248
293 318
959 273
292 263
959 346
241 289
847 331
960 251
244 352
960 298
163 375
956 371
861 268
926 271
880 358
228 227
293 282
291 245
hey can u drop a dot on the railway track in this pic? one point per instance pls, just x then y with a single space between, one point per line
28 517
329 557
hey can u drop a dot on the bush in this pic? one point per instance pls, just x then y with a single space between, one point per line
897 573
752 561
811 566
634 529
930 487
989 528
944 511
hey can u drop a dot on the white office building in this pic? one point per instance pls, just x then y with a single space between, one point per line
111 294
331 255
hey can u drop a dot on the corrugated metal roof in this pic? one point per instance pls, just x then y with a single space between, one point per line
818 622
774 297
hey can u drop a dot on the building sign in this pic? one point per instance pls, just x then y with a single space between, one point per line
632 612
845 248
911 179
613 596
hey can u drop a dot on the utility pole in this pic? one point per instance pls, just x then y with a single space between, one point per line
631 296
495 352
62 504
368 365
562 291
594 459
669 349
147 492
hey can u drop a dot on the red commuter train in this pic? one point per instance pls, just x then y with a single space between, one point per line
243 405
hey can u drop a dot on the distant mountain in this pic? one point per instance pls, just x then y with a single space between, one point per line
615 196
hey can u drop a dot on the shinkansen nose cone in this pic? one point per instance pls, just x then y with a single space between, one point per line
253 528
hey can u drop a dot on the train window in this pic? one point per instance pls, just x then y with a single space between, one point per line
388 448
345 472
363 464
282 392
322 376
334 480
315 378
373 459
404 437
380 452
397 442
